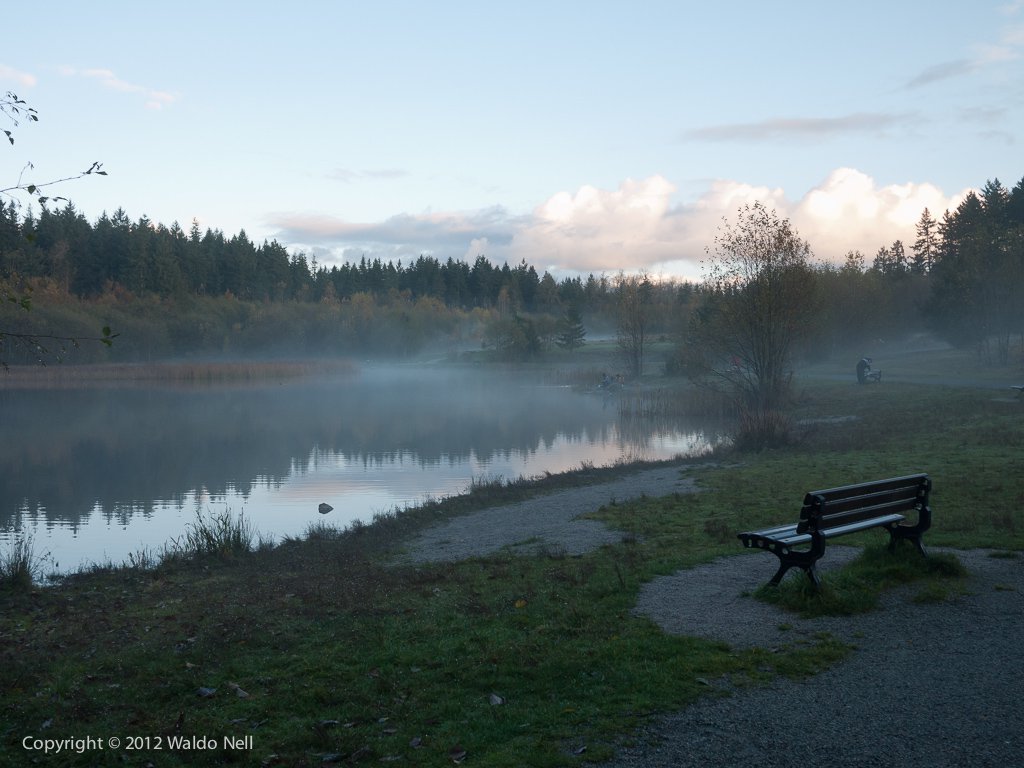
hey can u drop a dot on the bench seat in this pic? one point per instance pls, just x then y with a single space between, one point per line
845 510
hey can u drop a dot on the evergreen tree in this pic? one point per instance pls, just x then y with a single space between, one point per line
926 246
571 333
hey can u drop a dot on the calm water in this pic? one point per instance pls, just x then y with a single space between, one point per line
97 474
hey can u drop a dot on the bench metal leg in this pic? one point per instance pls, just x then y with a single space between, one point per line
902 533
783 570
810 570
805 560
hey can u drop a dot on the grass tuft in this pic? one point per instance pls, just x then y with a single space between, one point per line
20 564
219 534
857 587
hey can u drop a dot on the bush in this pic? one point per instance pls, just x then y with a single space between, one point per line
760 429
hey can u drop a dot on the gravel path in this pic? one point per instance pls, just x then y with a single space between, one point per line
935 685
546 522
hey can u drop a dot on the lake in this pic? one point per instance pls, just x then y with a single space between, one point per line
95 474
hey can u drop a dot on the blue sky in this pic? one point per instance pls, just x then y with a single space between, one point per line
580 136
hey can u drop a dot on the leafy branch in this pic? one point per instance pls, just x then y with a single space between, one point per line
40 346
34 189
14 108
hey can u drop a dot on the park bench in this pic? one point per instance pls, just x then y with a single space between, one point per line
840 511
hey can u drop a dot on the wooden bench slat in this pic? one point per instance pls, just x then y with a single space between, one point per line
863 525
843 510
832 520
844 491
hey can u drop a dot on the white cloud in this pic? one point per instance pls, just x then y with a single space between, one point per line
595 230
23 79
848 211
637 226
153 98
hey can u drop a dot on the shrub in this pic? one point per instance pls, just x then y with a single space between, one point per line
760 429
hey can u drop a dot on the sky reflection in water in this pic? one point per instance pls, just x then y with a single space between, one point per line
98 474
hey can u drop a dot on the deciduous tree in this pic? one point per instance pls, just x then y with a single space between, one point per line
760 301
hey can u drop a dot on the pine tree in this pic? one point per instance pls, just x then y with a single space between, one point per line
926 247
571 333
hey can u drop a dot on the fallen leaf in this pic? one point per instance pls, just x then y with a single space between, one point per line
520 603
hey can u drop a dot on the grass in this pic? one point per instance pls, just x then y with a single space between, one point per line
20 564
215 533
857 587
344 656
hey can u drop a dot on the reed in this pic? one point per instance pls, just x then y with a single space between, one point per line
219 534
20 563
183 373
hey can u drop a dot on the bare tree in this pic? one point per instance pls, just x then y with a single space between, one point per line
760 300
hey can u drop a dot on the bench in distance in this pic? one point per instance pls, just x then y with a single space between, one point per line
847 509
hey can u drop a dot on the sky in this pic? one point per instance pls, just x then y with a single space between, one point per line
581 137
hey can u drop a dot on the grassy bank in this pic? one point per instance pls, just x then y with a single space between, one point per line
325 652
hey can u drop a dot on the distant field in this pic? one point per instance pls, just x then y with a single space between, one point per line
923 362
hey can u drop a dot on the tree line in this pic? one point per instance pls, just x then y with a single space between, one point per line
150 258
169 292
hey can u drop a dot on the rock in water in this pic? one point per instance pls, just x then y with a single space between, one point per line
325 508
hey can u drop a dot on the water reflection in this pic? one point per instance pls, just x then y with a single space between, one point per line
100 473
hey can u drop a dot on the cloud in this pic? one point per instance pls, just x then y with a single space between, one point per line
402 235
848 211
348 175
153 99
23 79
799 128
637 226
1011 40
943 71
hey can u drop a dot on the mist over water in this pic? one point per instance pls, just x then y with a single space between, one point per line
99 473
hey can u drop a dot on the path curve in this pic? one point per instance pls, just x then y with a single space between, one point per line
551 521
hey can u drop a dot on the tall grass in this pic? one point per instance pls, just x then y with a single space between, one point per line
220 534
20 564
759 429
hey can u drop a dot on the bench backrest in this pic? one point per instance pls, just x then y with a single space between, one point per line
853 503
